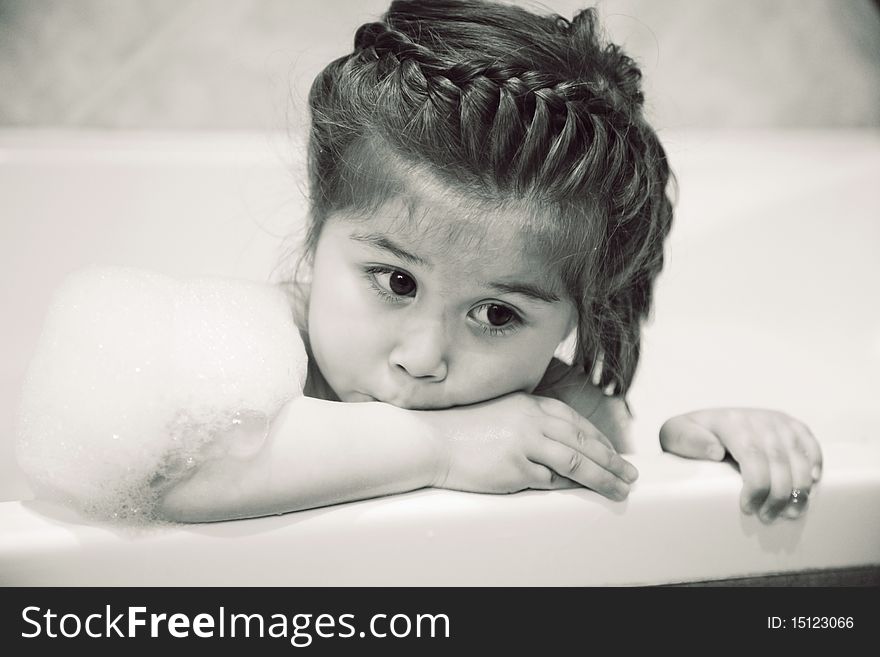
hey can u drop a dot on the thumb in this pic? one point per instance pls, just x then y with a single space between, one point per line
683 436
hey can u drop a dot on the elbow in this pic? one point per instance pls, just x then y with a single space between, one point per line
174 506
213 493
191 501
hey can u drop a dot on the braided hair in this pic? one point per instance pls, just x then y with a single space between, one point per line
506 106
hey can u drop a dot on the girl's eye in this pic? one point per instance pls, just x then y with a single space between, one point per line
401 284
391 283
498 315
496 319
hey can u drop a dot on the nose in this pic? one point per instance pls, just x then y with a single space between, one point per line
421 351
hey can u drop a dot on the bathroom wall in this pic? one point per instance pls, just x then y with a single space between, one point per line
247 64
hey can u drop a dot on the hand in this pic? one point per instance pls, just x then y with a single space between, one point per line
778 456
524 441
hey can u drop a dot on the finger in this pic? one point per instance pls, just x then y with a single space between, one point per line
574 465
810 446
754 468
544 478
801 477
584 438
602 439
780 479
562 411
683 436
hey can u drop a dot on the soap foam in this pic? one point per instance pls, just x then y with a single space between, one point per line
138 378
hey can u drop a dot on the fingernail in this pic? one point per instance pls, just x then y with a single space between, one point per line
620 492
752 505
817 472
716 452
792 512
765 517
630 473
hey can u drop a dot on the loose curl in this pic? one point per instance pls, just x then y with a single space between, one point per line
506 106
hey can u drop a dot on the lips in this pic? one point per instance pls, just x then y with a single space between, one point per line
417 407
393 402
402 403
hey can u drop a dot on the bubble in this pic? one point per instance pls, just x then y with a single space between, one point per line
138 378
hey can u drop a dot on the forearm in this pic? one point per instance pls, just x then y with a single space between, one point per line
317 453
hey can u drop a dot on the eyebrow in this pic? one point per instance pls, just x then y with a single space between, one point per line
382 242
526 290
529 290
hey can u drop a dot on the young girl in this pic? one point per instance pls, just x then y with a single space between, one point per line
483 183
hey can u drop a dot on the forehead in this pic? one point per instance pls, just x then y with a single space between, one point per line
443 218
462 235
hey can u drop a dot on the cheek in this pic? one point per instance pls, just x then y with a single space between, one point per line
344 327
505 369
329 311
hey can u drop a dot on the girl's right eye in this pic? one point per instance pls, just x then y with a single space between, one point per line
391 284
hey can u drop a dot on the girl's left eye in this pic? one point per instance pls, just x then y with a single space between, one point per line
496 319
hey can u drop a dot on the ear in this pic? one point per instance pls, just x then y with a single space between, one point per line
567 349
297 293
572 322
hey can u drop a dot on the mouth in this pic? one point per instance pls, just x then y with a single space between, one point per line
403 403
415 407
393 402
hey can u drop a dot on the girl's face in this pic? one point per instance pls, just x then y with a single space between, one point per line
431 312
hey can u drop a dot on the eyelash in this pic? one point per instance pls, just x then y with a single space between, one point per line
371 280
497 331
494 331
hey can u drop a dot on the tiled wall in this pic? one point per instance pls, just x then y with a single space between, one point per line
247 64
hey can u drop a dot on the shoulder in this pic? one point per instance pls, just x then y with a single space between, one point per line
611 416
570 384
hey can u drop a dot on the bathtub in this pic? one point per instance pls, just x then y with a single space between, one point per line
769 298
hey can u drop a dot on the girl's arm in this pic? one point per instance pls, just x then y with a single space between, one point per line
319 453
